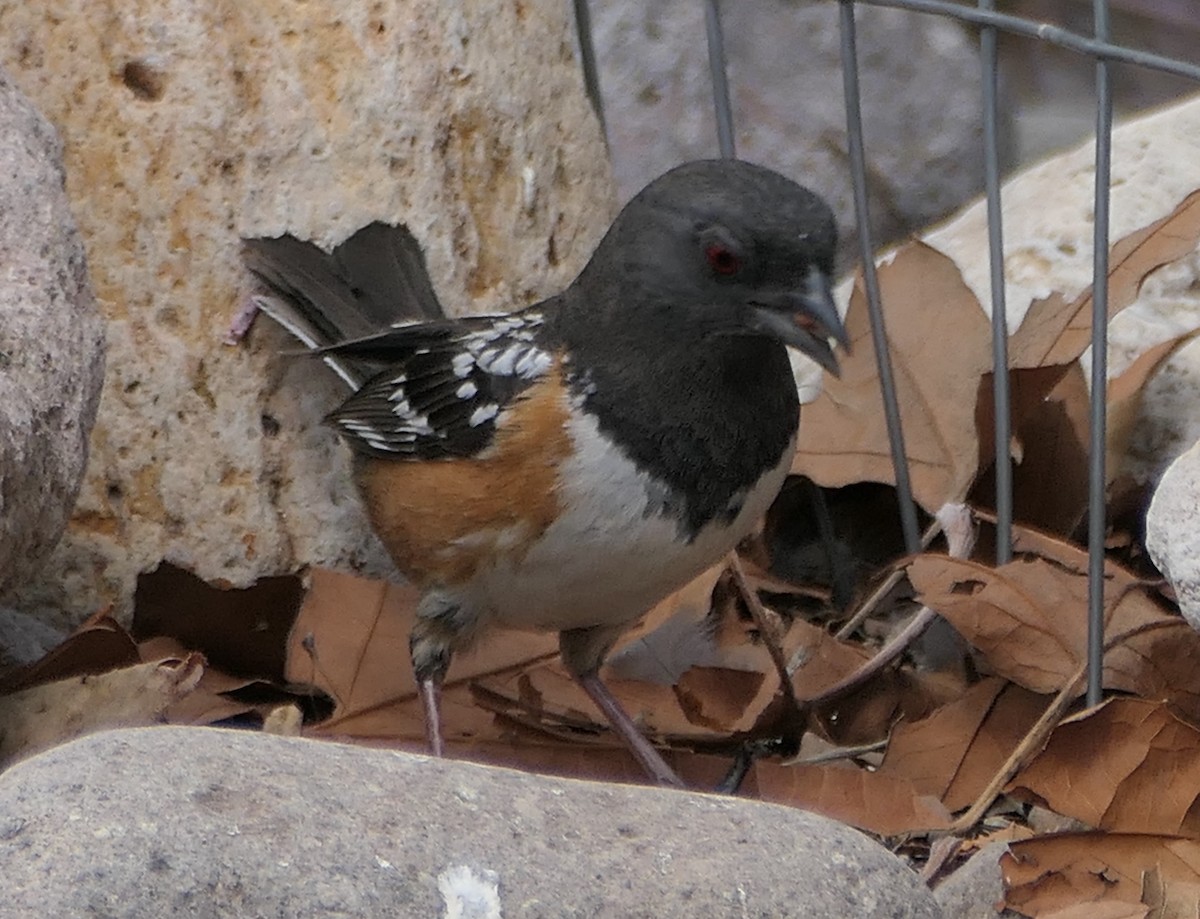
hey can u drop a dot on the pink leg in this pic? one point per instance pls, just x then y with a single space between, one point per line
431 699
641 749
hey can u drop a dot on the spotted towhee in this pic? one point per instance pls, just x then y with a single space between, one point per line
566 466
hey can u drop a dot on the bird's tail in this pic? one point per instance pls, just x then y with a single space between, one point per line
372 281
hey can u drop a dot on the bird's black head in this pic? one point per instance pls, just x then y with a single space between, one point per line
729 248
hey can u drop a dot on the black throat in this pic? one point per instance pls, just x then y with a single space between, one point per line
706 415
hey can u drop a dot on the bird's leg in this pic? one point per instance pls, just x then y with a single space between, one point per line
431 699
431 650
649 758
582 651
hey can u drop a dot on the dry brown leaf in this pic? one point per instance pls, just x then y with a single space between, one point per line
1050 424
705 704
824 660
1009 721
1062 871
954 752
97 646
726 682
736 697
928 752
1100 911
867 713
675 635
1125 393
1050 481
843 438
219 696
1019 616
51 713
1129 766
1131 262
350 639
1056 332
719 698
872 801
242 632
1028 618
603 763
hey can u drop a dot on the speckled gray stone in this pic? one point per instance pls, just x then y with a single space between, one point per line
976 888
158 821
51 342
1173 531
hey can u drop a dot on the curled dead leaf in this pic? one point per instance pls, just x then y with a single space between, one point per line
52 713
843 437
1102 871
872 801
1129 766
1028 620
953 753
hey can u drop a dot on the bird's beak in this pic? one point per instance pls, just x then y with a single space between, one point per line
805 319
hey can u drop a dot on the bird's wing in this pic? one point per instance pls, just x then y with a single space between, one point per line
445 387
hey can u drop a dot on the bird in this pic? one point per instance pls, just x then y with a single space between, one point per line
565 466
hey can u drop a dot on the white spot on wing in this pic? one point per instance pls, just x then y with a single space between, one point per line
466 390
370 435
483 414
462 363
519 359
532 363
419 424
503 363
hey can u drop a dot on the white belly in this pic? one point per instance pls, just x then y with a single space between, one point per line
611 554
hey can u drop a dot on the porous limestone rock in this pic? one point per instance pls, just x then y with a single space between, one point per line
51 344
187 126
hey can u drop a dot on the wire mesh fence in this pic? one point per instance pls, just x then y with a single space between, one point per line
990 23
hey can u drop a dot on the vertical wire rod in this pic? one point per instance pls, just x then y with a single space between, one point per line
1097 441
587 59
883 359
720 81
1000 380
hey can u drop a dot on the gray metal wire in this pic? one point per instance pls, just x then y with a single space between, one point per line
587 61
1097 485
1000 382
862 211
720 82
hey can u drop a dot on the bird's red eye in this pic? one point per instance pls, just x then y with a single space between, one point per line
722 259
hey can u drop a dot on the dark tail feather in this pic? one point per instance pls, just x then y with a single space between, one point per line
375 279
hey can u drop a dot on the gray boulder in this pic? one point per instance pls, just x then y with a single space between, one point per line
51 342
156 821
